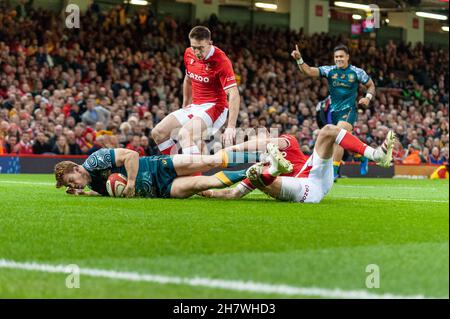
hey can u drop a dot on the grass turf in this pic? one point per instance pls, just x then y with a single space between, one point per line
400 225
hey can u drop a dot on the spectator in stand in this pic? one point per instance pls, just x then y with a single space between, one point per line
95 114
424 155
12 147
135 145
413 156
41 145
4 127
26 146
398 153
435 157
149 149
87 140
58 131
100 142
114 142
61 147
74 148
2 146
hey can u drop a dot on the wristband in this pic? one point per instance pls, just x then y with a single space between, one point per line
300 61
369 96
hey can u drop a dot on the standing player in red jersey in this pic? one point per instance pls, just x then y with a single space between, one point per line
311 178
208 84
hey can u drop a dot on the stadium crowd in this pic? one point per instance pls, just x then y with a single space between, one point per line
107 83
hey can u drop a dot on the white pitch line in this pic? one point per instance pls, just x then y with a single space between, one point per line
390 187
27 183
235 285
392 199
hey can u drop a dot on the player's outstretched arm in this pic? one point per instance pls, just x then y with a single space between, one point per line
304 68
187 91
79 192
129 159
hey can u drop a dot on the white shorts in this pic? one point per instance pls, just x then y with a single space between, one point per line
214 117
309 189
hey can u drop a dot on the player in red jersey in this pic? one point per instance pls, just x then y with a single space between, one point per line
310 178
208 83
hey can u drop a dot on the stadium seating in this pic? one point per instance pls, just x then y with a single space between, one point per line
131 71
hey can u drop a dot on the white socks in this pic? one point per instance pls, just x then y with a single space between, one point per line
373 154
165 146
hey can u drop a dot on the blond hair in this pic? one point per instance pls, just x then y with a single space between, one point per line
61 169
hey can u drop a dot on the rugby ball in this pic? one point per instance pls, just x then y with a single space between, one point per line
115 184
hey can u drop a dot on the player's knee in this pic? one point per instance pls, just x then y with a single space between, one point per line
329 131
158 135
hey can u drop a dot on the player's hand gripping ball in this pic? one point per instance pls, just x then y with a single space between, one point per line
115 184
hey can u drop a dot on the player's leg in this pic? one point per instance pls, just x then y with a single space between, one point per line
186 186
162 132
343 119
185 164
190 135
261 175
225 193
243 188
300 190
331 134
207 120
321 175
165 172
338 152
305 190
273 190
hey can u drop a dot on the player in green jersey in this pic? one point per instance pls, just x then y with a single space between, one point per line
161 176
343 83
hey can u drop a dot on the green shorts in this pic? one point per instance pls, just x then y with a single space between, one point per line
348 115
155 176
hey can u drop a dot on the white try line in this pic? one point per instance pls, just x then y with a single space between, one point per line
27 183
390 187
392 199
234 285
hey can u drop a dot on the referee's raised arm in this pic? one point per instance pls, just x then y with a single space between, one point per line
304 68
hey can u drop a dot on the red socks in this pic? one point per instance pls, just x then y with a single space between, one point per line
350 142
266 177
